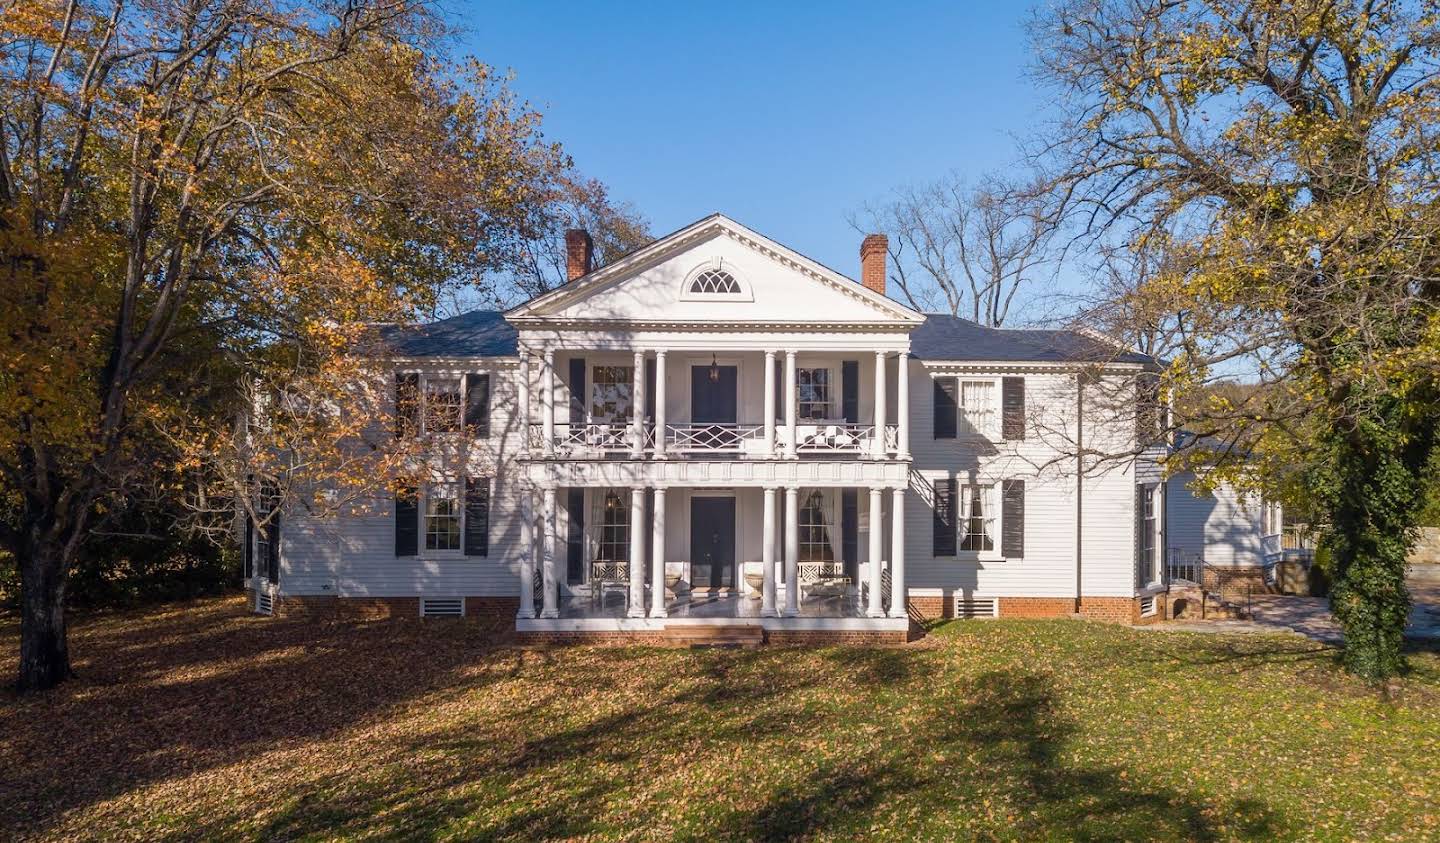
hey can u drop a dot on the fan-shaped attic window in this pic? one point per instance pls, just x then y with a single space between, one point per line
715 282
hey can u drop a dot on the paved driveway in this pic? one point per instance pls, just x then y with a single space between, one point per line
1310 616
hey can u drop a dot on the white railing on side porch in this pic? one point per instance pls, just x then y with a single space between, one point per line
592 437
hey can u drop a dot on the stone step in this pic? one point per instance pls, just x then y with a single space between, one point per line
714 635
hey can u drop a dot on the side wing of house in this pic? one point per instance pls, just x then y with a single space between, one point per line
1222 527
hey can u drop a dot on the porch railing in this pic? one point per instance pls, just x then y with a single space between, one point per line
700 438
716 438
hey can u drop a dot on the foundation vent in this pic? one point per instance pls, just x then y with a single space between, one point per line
973 607
264 603
446 607
1147 606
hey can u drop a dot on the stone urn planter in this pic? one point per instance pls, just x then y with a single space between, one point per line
672 584
756 583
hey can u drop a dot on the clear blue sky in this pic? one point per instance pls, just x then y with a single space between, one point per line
782 115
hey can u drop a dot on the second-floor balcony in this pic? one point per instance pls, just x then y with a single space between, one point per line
704 439
699 404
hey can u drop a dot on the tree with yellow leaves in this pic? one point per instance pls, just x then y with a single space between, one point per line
1284 159
201 194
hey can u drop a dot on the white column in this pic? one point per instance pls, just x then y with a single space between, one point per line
792 549
767 550
547 405
902 412
897 553
659 404
876 606
527 554
637 408
879 443
550 601
770 408
657 542
636 608
791 404
524 401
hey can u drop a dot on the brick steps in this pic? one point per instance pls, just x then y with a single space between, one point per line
700 636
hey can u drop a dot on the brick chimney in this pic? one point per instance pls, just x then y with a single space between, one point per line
872 261
579 253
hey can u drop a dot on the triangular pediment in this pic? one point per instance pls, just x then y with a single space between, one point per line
717 271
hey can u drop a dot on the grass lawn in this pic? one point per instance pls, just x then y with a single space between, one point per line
201 721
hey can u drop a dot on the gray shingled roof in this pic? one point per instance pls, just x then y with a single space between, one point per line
479 333
946 337
486 333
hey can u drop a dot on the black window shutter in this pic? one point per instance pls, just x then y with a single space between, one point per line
477 516
650 389
575 537
947 407
273 562
477 403
1147 409
249 547
407 404
850 390
779 389
850 531
1012 400
577 390
1012 528
946 492
407 521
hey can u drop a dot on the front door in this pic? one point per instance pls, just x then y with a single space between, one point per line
713 405
712 542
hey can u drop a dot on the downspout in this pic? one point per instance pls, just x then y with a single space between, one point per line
1079 481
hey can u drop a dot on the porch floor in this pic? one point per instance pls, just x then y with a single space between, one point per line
582 613
711 605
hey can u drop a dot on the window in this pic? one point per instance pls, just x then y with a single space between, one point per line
1148 533
614 543
813 386
814 530
442 519
612 394
444 403
977 518
715 282
977 407
263 554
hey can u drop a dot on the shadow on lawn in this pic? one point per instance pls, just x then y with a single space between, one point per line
991 750
167 693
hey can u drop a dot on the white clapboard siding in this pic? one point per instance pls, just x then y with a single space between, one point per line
1048 568
1221 526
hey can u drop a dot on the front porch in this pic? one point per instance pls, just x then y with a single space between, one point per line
817 615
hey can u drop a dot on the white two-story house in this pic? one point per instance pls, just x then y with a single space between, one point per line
717 430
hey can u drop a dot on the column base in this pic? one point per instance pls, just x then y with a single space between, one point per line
635 613
769 613
872 613
524 615
790 613
550 613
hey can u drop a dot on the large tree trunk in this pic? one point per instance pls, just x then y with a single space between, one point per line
44 652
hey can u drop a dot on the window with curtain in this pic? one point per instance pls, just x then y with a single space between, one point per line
442 518
977 407
613 544
611 394
815 544
813 388
444 403
977 518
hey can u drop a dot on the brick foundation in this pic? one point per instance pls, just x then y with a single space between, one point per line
1124 610
496 612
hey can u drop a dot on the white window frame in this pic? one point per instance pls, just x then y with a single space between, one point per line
425 414
831 410
989 426
594 384
598 531
829 512
992 504
428 494
718 265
